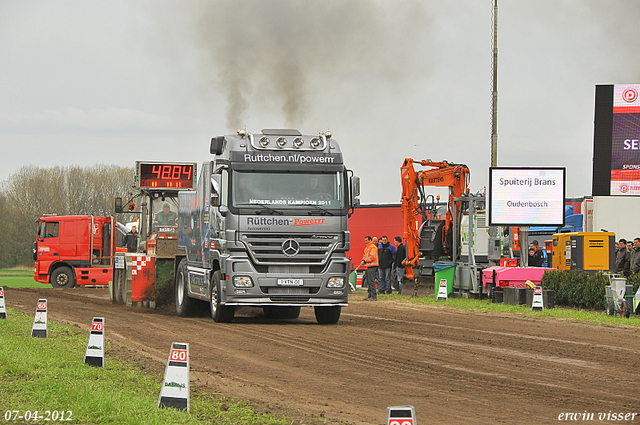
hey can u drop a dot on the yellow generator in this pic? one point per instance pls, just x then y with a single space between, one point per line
589 251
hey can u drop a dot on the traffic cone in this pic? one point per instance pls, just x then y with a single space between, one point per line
175 387
94 356
442 290
3 311
39 328
538 302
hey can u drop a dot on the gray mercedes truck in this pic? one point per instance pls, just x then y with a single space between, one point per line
267 227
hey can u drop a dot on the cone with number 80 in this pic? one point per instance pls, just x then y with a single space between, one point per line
175 387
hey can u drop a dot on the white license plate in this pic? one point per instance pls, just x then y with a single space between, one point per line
290 282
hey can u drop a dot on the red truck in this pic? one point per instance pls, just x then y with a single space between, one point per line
74 250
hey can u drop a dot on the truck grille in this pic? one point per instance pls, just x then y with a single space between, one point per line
289 299
267 248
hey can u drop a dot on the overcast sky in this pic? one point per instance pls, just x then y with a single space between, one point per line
86 82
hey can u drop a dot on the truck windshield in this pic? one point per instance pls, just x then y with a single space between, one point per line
288 190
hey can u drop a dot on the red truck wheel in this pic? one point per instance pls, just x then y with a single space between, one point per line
63 277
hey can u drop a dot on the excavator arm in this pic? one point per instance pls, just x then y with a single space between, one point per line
443 174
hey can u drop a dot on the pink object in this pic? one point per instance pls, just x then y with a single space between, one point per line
513 276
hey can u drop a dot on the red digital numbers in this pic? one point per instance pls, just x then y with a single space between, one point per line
172 172
97 326
177 176
42 306
178 356
1 293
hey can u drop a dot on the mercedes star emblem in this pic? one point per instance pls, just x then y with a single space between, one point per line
290 247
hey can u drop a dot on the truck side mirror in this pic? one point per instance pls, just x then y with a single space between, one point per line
217 145
355 189
118 205
215 190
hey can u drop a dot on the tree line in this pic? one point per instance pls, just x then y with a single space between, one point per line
33 191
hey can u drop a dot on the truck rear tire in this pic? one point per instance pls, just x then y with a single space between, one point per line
185 306
63 277
118 287
220 313
327 315
281 312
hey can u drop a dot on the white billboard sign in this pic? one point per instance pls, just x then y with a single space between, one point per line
526 196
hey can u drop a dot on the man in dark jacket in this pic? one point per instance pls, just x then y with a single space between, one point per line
538 256
131 240
623 263
386 256
401 254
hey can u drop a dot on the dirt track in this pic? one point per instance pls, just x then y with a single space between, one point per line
453 367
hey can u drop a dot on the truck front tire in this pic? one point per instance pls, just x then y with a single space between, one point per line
63 277
185 306
220 313
327 315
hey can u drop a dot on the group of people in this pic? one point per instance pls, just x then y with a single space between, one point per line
627 256
537 256
380 257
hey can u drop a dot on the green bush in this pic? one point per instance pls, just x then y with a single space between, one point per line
581 289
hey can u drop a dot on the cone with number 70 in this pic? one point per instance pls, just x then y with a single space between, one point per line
94 356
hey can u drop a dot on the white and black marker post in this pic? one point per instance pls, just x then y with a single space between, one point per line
3 310
94 356
442 290
401 415
39 328
175 387
538 302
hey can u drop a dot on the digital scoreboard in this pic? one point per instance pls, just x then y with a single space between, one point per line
616 141
165 175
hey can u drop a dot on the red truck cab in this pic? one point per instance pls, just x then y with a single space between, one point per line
74 250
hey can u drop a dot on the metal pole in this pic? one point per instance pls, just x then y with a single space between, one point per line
494 97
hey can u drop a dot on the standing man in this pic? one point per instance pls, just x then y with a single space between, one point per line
634 257
131 240
370 262
386 257
623 264
401 254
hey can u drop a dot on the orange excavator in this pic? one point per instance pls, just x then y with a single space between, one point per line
434 239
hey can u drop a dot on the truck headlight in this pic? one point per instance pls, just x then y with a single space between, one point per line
335 282
242 282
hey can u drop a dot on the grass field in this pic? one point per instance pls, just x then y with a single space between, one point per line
19 278
48 375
